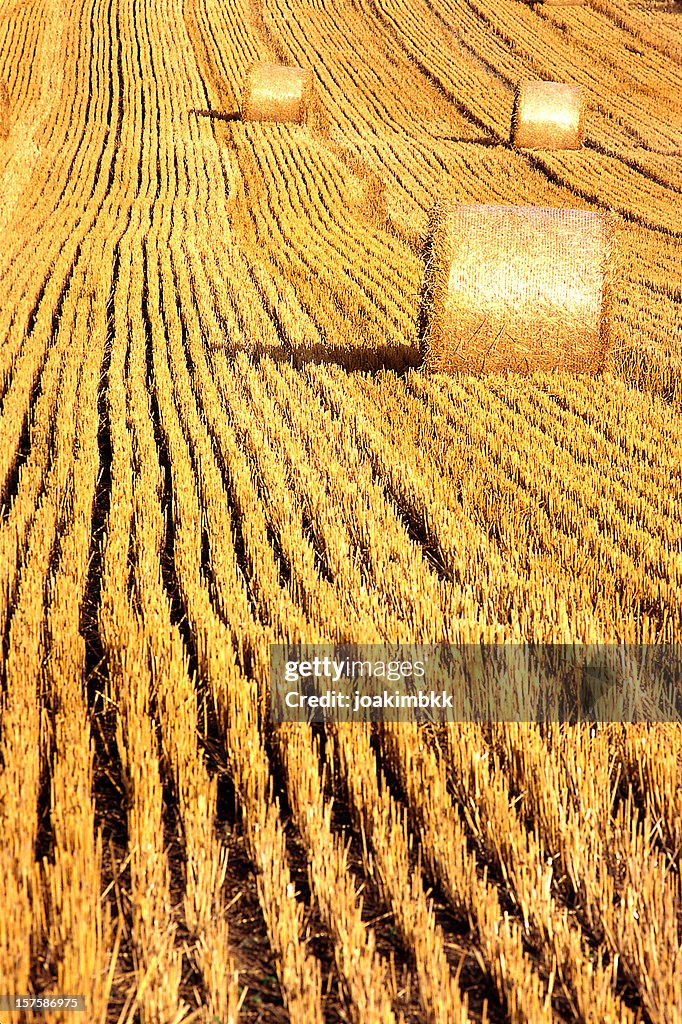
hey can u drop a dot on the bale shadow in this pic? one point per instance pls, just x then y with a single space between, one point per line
484 140
216 115
399 359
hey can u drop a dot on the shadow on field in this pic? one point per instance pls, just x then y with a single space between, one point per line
217 115
398 358
484 140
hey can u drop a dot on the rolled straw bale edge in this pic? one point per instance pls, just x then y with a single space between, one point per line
516 125
247 111
611 271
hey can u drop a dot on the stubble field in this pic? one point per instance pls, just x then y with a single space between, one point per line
214 435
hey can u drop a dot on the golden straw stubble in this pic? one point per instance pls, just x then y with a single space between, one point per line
275 92
4 110
517 288
547 115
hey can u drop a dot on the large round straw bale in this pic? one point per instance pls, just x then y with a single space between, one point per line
560 3
4 110
547 115
274 92
517 288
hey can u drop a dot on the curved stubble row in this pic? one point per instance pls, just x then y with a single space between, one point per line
80 926
264 467
622 882
488 592
195 474
543 924
62 108
514 989
222 67
157 962
169 160
659 32
175 697
382 821
35 280
46 529
44 675
36 44
339 908
518 524
364 972
340 911
294 223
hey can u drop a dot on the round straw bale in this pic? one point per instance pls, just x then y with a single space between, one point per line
274 92
4 110
516 288
547 115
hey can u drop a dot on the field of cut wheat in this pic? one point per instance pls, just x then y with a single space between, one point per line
215 435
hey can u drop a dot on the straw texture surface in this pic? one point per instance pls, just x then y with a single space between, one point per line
4 110
517 288
547 115
274 92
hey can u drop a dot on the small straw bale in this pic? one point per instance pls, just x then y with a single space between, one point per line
4 110
274 92
547 115
517 288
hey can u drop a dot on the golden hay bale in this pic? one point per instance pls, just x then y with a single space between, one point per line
547 115
4 110
517 288
274 92
560 3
